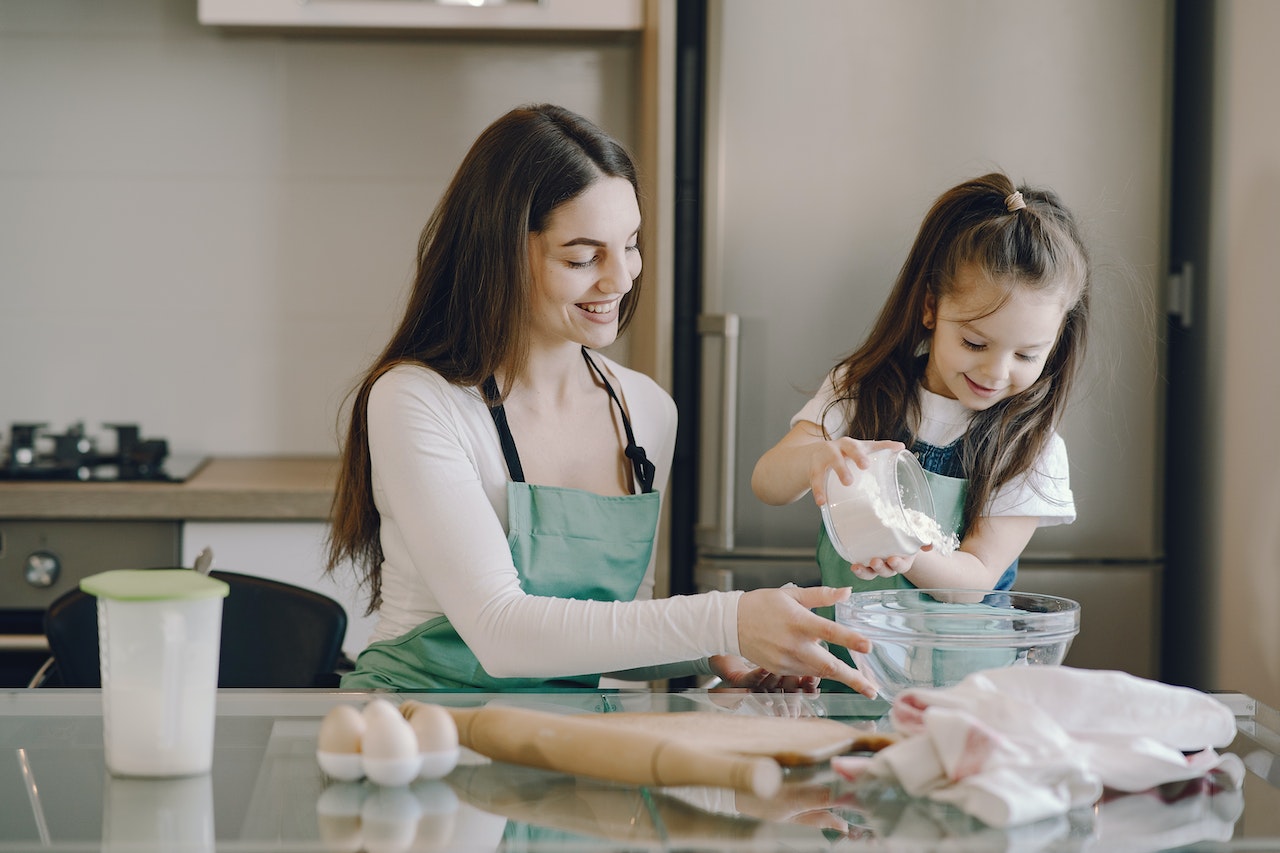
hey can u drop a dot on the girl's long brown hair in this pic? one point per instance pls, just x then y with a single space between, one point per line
1037 247
468 311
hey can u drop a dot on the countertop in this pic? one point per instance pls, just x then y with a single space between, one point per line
266 792
251 488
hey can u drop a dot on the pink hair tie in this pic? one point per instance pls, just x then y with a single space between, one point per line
1013 201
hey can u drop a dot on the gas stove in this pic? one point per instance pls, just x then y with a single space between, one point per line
35 453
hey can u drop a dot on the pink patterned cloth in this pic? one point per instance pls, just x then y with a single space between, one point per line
1015 745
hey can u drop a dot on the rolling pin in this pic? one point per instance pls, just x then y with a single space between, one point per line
580 745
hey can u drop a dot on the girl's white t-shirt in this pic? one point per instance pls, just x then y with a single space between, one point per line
440 486
1043 491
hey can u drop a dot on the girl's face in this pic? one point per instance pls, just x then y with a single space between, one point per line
979 356
584 263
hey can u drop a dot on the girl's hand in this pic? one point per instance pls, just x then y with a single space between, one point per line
739 672
836 455
886 567
778 631
800 461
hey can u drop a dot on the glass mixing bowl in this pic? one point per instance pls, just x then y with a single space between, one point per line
935 637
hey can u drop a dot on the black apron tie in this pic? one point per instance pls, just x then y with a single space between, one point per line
644 469
504 430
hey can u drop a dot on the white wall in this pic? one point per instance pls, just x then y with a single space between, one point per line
211 234
1245 305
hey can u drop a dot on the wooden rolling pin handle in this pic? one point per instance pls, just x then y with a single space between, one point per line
588 747
676 764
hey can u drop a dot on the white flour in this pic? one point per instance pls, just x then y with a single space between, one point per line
864 524
928 530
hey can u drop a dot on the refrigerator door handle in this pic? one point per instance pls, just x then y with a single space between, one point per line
717 441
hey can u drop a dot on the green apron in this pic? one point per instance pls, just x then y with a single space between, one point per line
565 543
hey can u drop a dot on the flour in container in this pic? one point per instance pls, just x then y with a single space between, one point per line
864 522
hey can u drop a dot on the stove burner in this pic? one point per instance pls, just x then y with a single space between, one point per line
35 454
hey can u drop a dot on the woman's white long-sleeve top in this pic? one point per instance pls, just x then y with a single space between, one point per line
440 483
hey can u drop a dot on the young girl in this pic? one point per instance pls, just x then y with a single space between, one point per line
969 365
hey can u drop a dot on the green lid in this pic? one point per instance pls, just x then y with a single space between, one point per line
154 585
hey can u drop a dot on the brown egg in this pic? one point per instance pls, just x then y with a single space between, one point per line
437 735
389 749
339 743
341 730
435 728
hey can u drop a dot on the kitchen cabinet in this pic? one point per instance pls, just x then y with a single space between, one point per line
539 16
289 551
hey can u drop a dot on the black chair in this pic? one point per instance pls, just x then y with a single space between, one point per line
274 634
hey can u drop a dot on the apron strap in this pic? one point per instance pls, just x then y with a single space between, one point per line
644 469
640 464
504 430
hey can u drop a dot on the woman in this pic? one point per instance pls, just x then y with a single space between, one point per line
500 485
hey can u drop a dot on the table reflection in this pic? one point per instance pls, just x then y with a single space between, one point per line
1171 816
494 806
426 815
165 814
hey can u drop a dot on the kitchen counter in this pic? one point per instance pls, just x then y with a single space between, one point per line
265 488
266 792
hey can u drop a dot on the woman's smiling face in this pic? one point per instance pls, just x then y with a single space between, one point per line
583 263
981 356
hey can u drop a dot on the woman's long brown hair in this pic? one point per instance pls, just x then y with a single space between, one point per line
1037 247
468 311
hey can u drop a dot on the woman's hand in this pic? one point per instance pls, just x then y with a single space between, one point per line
778 632
735 671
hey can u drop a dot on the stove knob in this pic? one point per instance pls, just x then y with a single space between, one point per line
42 569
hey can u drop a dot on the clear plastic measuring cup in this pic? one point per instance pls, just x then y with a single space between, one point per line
888 511
159 632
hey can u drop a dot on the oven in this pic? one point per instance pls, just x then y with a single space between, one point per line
41 559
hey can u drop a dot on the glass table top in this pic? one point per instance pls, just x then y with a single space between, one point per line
266 791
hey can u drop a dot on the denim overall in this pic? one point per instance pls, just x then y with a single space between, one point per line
944 471
566 543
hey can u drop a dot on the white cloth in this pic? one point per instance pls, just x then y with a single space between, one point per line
1043 491
1016 745
439 484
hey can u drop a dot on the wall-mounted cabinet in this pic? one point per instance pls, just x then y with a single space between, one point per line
538 16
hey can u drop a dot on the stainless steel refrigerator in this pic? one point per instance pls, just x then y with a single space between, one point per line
829 127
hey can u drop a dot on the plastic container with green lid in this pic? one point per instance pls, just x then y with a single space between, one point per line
159 634
153 585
